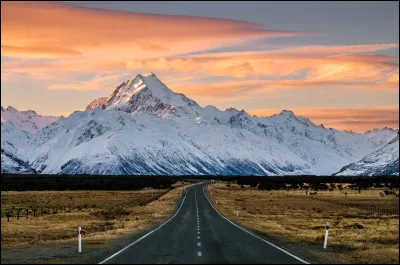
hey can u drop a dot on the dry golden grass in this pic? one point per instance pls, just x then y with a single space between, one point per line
356 235
121 212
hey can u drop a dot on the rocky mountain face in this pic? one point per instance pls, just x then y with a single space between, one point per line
384 161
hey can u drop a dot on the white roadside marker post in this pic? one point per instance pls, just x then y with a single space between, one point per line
79 240
237 213
328 224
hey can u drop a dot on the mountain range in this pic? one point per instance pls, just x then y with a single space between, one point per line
143 127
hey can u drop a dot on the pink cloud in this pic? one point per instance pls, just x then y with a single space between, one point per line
115 34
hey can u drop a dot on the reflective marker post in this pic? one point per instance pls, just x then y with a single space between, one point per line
79 240
328 224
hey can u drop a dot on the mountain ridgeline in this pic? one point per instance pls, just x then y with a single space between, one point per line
144 128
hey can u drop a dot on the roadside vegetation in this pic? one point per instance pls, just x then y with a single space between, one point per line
364 220
103 216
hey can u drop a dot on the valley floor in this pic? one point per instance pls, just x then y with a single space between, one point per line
52 237
366 232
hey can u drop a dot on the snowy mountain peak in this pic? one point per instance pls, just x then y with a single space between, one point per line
146 93
244 113
149 74
10 109
231 109
287 113
27 120
29 112
127 89
376 130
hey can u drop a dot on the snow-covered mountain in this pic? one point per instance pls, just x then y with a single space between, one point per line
384 161
116 142
146 93
27 120
12 164
13 140
145 128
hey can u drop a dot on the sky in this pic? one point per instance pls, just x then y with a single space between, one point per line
336 63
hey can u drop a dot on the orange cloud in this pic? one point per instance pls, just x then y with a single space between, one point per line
39 52
316 69
116 34
56 70
332 83
222 89
98 82
147 46
251 89
355 119
333 49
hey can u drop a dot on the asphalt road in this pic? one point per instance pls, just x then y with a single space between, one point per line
197 233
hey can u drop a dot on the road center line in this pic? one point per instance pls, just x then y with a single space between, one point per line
195 199
199 253
198 244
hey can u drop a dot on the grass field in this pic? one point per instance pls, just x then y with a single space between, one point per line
357 235
120 212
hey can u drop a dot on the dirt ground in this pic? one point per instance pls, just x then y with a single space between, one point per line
52 238
361 234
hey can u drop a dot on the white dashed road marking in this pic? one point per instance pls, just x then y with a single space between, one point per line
199 254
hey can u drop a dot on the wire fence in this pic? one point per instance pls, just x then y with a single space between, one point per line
14 213
32 212
361 206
